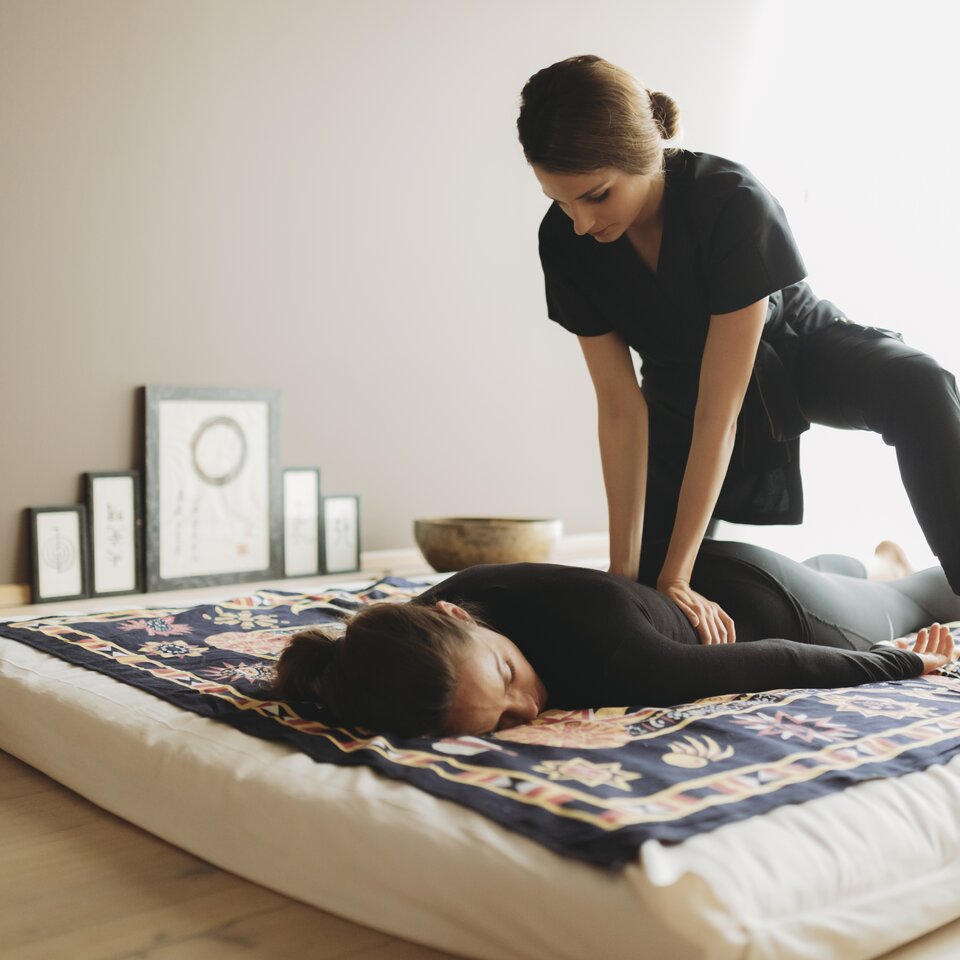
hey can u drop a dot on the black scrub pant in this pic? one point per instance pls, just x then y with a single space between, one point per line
826 600
854 378
862 378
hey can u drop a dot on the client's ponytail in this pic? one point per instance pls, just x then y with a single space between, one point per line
306 670
395 668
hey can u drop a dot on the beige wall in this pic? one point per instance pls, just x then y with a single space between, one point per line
327 197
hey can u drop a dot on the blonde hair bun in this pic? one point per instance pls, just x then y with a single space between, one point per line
584 113
666 113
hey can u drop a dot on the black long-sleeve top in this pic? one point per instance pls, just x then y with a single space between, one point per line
597 639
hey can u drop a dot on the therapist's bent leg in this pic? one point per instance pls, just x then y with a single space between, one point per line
856 378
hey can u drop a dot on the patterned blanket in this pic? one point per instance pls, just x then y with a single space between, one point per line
592 784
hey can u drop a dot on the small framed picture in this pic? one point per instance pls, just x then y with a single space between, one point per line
58 547
341 534
113 515
212 486
301 521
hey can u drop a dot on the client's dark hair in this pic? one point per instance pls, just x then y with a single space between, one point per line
394 669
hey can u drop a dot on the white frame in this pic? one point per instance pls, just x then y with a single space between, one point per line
301 522
113 530
341 533
58 549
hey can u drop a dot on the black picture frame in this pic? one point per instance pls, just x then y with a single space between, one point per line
114 532
340 534
302 526
212 486
58 553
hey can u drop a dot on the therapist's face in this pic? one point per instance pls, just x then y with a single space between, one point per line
497 687
604 203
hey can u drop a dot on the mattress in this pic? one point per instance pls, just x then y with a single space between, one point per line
830 878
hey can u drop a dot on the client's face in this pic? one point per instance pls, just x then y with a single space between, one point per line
497 687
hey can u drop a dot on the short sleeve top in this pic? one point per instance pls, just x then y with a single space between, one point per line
726 244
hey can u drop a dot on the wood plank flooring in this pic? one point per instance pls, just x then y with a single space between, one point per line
77 883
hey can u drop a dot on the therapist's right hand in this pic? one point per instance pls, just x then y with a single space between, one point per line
712 623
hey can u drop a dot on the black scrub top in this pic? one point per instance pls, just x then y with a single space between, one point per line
726 244
596 639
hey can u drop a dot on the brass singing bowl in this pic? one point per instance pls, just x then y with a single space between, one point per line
454 543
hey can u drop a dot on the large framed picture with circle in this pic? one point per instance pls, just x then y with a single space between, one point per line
212 485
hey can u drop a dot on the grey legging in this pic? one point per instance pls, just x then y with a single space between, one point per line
826 600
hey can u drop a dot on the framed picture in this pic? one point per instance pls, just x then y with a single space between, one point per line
213 486
301 521
113 516
58 548
341 534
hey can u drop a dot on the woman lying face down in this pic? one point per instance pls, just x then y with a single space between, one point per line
493 646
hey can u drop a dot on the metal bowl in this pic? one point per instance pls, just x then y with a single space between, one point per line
454 543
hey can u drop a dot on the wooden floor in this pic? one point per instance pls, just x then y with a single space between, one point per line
80 884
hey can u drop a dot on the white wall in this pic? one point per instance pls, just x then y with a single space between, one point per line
330 197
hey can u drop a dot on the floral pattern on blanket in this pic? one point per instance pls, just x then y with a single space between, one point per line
593 784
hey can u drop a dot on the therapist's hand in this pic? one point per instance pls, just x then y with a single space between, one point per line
709 619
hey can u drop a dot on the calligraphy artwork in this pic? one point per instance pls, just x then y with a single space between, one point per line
113 514
301 521
341 534
58 548
213 491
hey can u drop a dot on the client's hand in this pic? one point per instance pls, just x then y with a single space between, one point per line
935 646
710 620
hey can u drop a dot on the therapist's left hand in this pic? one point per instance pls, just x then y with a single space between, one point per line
709 619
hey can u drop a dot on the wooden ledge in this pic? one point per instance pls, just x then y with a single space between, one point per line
590 549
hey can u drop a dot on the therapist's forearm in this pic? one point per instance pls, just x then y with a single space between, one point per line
623 455
729 355
707 462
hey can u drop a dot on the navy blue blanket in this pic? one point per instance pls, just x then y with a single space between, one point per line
592 784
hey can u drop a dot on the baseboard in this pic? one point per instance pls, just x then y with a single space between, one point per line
14 594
